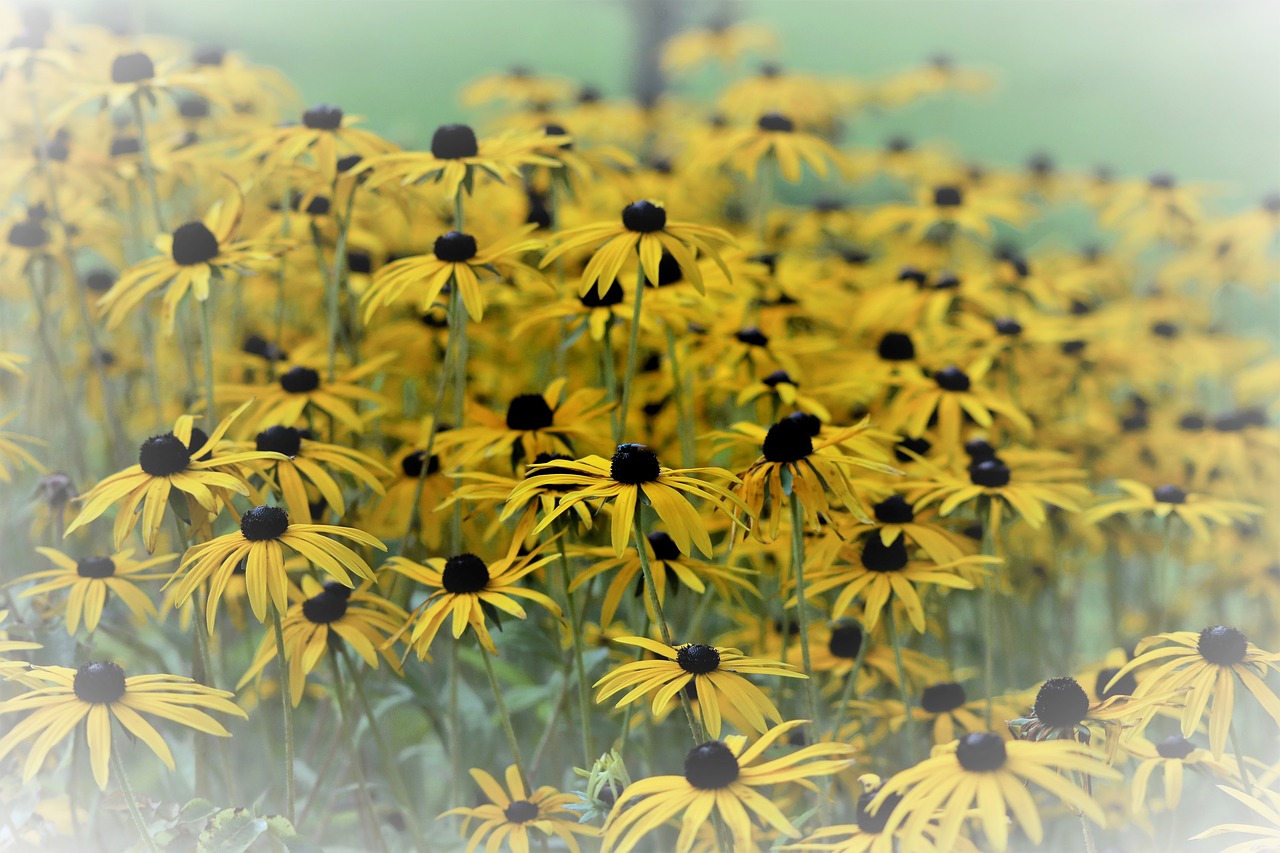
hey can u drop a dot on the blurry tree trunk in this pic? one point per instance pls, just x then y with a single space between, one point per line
655 22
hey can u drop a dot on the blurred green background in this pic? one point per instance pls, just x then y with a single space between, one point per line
1192 88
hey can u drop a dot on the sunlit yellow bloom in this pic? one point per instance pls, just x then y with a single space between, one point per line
90 579
509 817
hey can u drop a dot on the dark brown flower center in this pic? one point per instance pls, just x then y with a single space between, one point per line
162 455
1061 703
787 441
981 752
698 659
894 510
300 380
193 243
1175 746
664 547
1222 645
644 217
454 142
96 567
280 439
323 117
710 766
455 247
264 523
132 68
329 606
879 557
776 122
634 464
529 412
846 641
464 573
942 697
952 379
520 811
99 683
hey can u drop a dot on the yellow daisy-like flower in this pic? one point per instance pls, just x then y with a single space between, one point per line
324 136
774 136
943 210
184 459
670 568
716 675
304 462
1195 510
468 588
284 401
259 544
99 692
645 230
793 463
90 579
720 777
886 572
535 424
1265 806
323 615
949 395
633 471
982 770
455 157
1172 757
509 817
455 257
1205 665
191 258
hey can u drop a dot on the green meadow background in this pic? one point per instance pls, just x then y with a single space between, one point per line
1192 88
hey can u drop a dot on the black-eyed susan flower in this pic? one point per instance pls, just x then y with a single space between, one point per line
469 589
885 574
265 532
894 517
774 136
1197 511
1025 483
1062 711
983 771
798 460
195 255
671 569
1205 666
322 615
534 424
643 230
324 137
720 777
1173 758
455 157
717 674
512 814
302 390
305 462
185 460
944 210
723 42
633 473
89 581
99 692
455 260
949 395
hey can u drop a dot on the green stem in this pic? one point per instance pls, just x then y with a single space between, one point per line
117 765
579 663
148 165
392 768
682 403
647 571
610 369
1245 777
206 338
802 606
988 616
909 726
286 705
347 726
339 281
633 351
507 728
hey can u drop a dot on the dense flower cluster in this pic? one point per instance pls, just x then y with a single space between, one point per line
593 409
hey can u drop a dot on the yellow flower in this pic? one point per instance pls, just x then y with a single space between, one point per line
720 777
455 258
509 817
325 614
983 769
90 579
185 459
98 692
260 545
469 588
633 471
194 255
304 458
1205 665
454 159
645 230
713 673
1266 806
1194 509
324 136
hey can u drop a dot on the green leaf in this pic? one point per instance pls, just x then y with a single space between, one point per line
231 831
